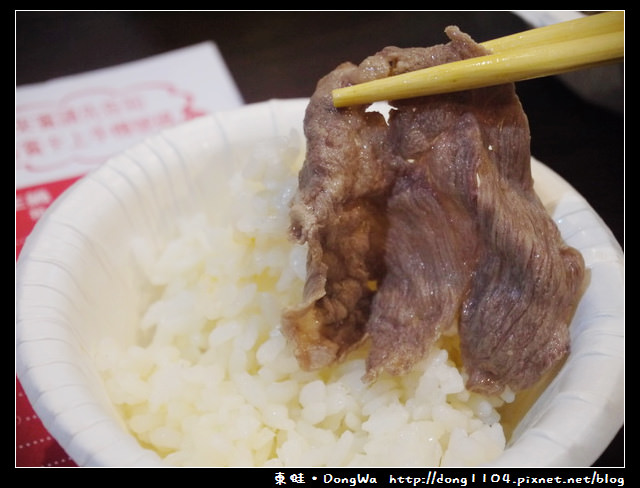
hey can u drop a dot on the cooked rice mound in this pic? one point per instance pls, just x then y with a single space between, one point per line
214 383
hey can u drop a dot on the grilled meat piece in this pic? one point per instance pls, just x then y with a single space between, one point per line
425 222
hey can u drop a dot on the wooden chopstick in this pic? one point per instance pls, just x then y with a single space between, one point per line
590 25
567 46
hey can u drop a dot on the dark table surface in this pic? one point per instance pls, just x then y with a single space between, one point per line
282 54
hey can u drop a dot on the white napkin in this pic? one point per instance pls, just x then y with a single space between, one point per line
67 126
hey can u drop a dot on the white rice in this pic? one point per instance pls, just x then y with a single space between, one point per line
214 383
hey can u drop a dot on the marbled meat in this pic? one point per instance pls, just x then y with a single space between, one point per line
426 221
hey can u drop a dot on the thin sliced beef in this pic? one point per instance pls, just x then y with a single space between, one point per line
426 222
514 321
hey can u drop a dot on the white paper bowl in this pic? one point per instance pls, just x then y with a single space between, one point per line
75 285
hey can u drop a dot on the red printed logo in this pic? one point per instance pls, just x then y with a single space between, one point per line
86 127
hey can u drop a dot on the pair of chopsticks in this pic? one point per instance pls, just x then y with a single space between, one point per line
586 42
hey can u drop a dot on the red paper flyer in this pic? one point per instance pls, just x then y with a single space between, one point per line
67 127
